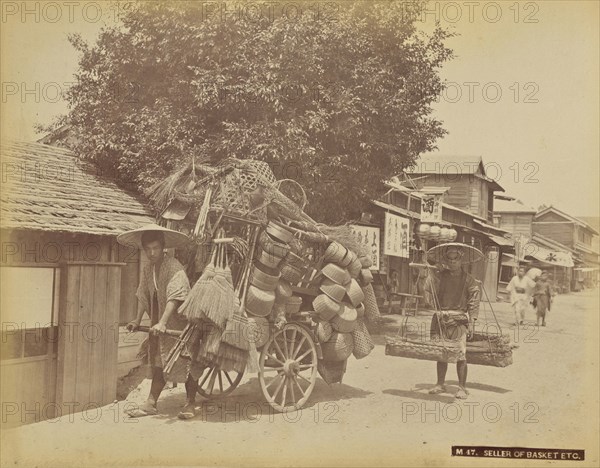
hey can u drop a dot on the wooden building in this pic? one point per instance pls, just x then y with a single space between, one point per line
574 234
67 286
471 188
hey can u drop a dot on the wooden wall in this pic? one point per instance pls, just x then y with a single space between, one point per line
517 223
88 320
560 232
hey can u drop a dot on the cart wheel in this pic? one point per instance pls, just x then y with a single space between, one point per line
215 382
288 368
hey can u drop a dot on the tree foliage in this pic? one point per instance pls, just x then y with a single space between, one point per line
337 96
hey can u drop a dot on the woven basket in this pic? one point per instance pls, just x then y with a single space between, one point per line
338 348
490 359
489 349
259 303
333 290
348 259
345 322
291 274
365 261
324 331
263 280
365 277
279 233
325 307
259 331
427 350
273 247
360 312
363 343
354 268
268 259
336 273
371 308
332 372
355 293
335 253
292 305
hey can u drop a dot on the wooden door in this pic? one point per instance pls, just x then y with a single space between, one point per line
89 335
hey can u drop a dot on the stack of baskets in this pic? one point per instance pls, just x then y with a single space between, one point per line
270 294
340 310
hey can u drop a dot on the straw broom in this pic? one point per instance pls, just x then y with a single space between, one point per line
195 304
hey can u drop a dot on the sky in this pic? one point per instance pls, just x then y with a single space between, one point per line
522 91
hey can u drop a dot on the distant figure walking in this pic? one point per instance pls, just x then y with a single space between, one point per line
521 288
542 296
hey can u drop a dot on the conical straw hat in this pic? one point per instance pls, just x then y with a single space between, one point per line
134 238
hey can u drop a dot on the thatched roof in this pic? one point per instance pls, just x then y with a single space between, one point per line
45 188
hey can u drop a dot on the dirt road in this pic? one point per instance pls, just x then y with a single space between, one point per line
381 415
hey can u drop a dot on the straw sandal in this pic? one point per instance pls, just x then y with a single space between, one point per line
188 411
145 409
437 390
462 394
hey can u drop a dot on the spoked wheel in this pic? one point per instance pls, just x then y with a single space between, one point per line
288 368
215 382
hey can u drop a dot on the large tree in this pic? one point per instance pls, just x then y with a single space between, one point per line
335 95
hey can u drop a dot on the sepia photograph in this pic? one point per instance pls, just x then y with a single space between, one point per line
300 233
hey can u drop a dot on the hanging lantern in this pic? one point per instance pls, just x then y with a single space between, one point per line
435 232
445 234
423 230
453 234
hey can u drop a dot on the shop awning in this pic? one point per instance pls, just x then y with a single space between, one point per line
550 257
501 241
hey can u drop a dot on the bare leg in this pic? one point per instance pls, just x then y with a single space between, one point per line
461 371
158 383
442 368
191 388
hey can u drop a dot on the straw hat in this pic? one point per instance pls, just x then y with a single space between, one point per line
442 252
326 307
345 321
336 273
333 290
355 293
335 252
134 238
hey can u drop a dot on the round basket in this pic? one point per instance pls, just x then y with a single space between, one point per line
365 277
324 331
365 261
348 259
338 348
360 311
259 331
262 280
258 302
273 247
291 273
279 233
333 290
354 268
363 343
345 321
326 307
335 252
336 273
355 293
268 259
292 305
